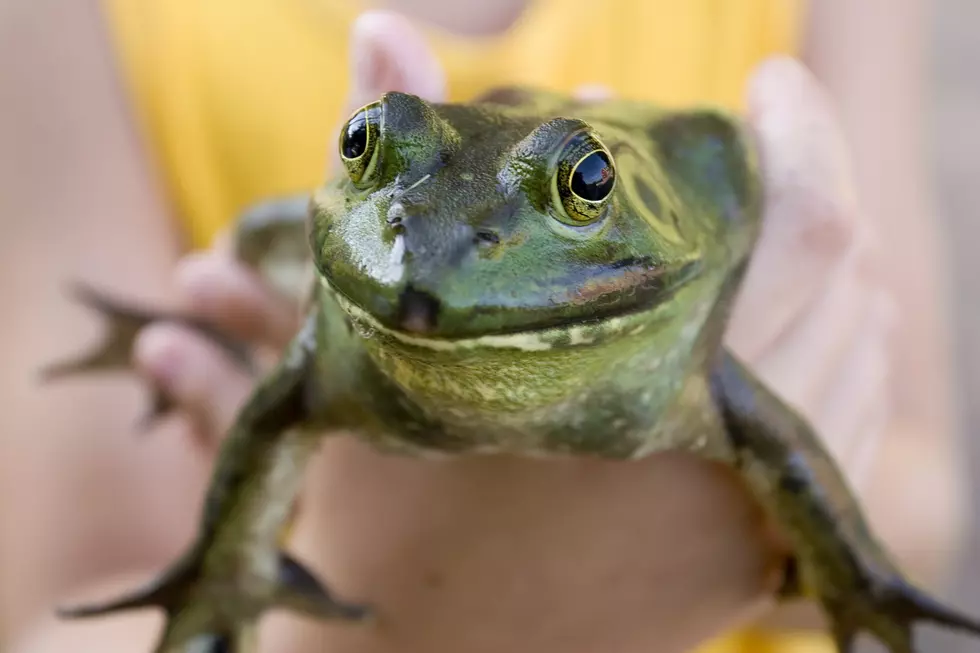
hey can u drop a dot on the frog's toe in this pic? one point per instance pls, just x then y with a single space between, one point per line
115 352
888 611
212 611
161 405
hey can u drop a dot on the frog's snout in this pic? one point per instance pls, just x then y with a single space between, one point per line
418 311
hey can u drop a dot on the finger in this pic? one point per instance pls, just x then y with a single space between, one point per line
854 404
203 382
388 54
931 525
862 451
222 245
805 359
235 300
811 213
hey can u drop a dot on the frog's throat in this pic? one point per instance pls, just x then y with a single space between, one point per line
559 337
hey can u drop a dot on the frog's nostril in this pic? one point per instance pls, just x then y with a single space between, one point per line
418 311
396 214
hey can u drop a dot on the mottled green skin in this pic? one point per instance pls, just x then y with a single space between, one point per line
599 328
549 339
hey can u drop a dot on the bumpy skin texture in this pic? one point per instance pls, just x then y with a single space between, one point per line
466 302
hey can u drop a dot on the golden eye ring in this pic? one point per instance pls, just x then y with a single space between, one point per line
359 140
584 180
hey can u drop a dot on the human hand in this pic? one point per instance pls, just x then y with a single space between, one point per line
812 318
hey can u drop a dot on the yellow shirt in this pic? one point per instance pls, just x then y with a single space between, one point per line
239 99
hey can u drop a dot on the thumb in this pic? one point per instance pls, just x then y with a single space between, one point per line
388 54
812 220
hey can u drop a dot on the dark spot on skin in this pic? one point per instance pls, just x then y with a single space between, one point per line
484 236
794 478
632 261
418 311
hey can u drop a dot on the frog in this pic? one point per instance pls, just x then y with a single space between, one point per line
524 273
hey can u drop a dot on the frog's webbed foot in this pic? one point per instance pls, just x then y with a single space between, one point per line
838 561
887 609
114 353
269 237
213 610
236 570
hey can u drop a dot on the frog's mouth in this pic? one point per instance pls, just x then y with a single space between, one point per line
419 307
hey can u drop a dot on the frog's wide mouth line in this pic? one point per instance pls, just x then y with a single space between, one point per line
583 333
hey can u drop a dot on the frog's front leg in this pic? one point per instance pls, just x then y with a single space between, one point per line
236 570
839 563
269 237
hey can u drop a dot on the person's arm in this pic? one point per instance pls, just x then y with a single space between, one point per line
81 495
872 56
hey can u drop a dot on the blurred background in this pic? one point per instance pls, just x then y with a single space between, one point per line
955 130
954 149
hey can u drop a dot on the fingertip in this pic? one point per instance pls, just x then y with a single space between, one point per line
190 369
804 154
201 277
219 288
593 92
778 77
158 353
388 53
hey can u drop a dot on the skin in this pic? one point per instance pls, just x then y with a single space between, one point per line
626 232
213 389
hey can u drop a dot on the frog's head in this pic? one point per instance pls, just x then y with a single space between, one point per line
460 222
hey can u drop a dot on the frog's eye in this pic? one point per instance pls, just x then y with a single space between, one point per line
359 142
584 180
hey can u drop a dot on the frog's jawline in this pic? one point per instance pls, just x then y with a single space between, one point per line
585 330
571 334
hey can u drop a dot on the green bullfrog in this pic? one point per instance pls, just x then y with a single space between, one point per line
523 274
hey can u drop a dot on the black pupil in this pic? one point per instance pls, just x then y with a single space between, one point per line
355 137
593 177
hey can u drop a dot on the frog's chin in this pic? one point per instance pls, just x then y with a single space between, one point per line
585 334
